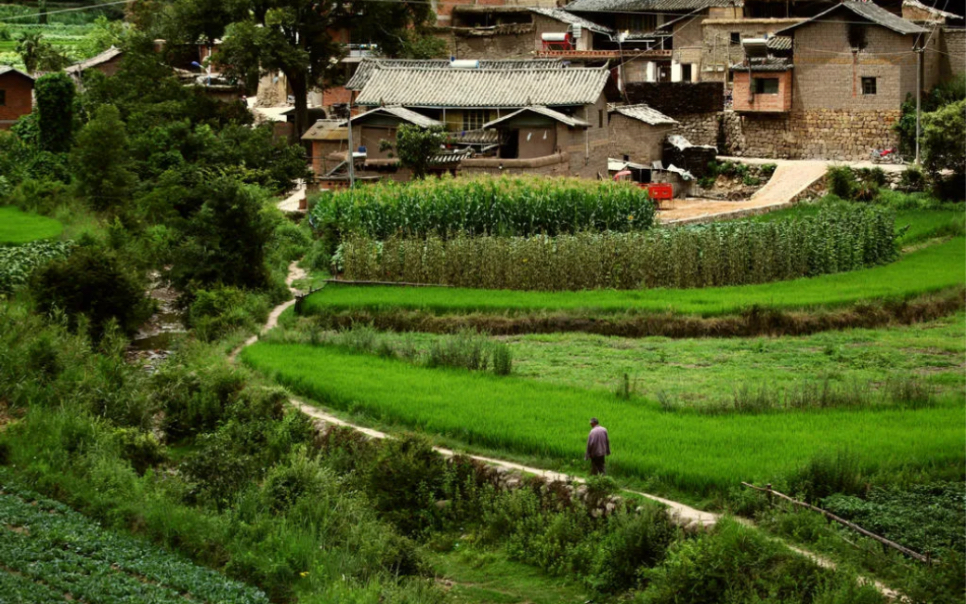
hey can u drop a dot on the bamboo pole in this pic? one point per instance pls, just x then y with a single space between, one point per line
844 522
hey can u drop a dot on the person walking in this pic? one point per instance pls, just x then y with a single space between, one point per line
598 447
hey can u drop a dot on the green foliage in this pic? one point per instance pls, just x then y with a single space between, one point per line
827 473
94 283
841 181
838 238
101 161
423 45
405 480
943 133
416 146
768 169
912 179
748 567
942 94
485 205
216 312
223 243
142 449
696 452
103 35
55 111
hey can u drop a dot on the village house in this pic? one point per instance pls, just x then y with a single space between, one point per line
107 62
16 95
836 91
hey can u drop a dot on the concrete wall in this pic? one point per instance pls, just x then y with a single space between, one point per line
828 75
641 142
18 94
536 142
746 100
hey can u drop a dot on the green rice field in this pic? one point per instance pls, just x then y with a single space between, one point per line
930 269
690 451
18 227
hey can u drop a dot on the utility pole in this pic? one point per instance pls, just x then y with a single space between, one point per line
352 158
918 99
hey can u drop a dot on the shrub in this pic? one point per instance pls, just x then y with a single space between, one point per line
93 282
404 481
55 111
101 161
841 181
142 449
838 238
218 311
485 205
829 473
195 400
912 179
768 169
630 542
502 359
750 181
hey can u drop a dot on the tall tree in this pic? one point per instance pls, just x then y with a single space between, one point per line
297 37
55 111
416 146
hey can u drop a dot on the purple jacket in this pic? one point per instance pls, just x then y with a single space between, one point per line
598 444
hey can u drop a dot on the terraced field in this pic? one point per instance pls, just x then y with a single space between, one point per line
49 553
17 226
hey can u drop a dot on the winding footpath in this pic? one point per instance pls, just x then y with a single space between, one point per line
684 515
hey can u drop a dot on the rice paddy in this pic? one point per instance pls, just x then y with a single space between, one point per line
688 451
17 226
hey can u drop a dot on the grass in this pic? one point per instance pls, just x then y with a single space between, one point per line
693 452
927 270
18 227
47 551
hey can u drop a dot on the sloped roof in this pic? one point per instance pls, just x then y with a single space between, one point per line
326 130
765 64
609 6
643 113
930 9
369 65
871 12
541 110
98 59
422 87
565 17
402 113
5 69
779 43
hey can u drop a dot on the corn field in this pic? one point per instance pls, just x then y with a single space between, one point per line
839 238
517 206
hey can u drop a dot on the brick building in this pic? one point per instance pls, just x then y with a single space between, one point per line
107 62
16 95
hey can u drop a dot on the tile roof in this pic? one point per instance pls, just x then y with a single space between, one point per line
423 87
871 12
369 65
565 17
642 113
541 110
766 64
606 6
326 130
98 59
779 43
402 113
8 69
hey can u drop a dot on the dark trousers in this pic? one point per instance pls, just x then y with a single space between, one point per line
597 466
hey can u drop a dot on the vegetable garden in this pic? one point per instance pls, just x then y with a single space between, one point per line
49 553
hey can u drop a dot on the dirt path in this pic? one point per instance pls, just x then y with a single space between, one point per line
685 515
789 180
291 203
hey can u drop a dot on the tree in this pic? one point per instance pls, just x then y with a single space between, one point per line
294 36
101 160
223 242
944 137
415 147
103 35
55 111
39 54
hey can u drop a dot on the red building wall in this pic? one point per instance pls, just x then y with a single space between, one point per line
18 92
744 101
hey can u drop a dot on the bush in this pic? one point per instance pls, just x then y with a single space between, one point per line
94 283
838 238
841 181
912 180
216 312
195 400
142 449
630 542
101 161
768 169
404 482
827 474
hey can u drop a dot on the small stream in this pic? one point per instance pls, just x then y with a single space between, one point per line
155 339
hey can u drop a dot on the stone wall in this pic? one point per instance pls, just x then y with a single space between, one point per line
676 98
954 46
816 134
699 128
641 142
512 41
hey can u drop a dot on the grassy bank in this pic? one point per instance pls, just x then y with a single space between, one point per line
689 451
927 270
18 227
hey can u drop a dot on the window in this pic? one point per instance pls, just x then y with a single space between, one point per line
600 118
735 38
473 119
766 85
868 85
3 98
686 72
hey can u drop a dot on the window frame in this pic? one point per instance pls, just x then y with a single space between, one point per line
874 81
3 97
735 38
761 89
471 117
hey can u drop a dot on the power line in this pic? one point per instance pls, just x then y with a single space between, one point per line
67 10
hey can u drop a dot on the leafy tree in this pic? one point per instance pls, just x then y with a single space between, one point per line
55 111
944 137
223 242
415 147
294 36
103 35
95 283
39 54
942 94
101 161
